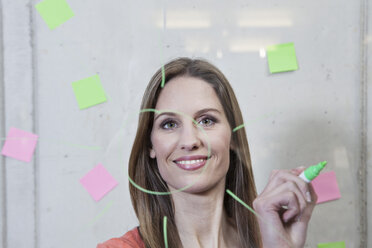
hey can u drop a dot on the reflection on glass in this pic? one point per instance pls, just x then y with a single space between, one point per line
262 52
239 45
368 39
264 18
184 19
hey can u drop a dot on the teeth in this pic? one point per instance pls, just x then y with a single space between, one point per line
188 162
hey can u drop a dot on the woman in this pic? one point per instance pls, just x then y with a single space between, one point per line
170 152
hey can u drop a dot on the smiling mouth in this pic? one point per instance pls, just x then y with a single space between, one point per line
190 162
191 165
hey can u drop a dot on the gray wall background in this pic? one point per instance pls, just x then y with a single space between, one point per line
319 112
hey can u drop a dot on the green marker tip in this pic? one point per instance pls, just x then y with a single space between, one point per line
313 171
323 164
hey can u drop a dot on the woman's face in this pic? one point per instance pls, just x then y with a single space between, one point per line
179 146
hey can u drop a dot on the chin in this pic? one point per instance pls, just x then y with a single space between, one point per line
199 186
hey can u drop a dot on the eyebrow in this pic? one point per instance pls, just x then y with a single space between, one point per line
202 111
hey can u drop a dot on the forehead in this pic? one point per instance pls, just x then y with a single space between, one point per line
188 95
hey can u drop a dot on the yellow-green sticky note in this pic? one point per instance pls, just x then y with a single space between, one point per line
54 12
332 245
89 92
282 58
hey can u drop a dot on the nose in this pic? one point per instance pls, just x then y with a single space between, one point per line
190 137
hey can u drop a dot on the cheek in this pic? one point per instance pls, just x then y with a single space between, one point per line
163 146
220 142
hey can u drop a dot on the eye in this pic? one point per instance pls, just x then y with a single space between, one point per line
207 121
168 124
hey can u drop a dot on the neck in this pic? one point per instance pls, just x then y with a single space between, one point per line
201 218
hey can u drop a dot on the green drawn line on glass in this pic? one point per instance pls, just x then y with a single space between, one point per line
54 141
18 138
238 127
102 212
198 177
162 76
82 146
241 202
165 231
254 212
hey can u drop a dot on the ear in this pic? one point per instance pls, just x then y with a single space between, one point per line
152 153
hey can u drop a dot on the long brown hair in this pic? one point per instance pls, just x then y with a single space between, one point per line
150 208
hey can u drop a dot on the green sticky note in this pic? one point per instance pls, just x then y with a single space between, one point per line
332 245
89 92
54 12
282 58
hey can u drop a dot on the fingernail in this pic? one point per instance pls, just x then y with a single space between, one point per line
308 196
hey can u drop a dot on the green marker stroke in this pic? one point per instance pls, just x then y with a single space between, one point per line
165 231
162 76
238 127
103 211
241 202
55 141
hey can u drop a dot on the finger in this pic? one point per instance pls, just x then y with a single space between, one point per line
272 174
294 208
283 176
314 196
275 202
268 187
281 191
310 207
293 187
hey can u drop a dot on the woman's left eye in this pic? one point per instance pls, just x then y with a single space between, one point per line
207 121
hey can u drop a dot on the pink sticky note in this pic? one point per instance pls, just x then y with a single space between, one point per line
326 187
98 182
19 144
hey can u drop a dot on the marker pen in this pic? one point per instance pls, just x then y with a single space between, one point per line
312 172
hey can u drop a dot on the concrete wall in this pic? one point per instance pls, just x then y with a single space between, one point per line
18 98
368 82
320 112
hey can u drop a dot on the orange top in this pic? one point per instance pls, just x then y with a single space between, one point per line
131 239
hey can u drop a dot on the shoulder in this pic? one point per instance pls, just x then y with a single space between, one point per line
131 239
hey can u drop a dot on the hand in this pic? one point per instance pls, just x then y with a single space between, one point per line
284 208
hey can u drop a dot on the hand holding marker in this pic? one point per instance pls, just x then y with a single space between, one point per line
276 227
309 174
